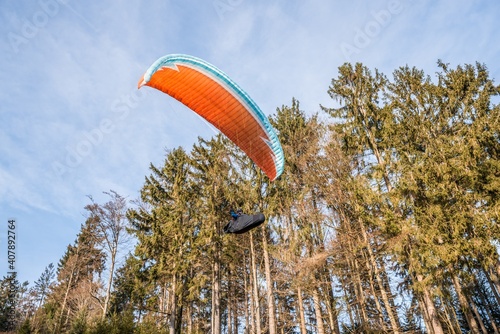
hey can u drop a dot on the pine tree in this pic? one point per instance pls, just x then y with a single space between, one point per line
44 283
366 130
128 293
442 128
172 228
73 300
213 174
422 147
10 295
302 230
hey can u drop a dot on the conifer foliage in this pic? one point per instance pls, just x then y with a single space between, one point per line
385 220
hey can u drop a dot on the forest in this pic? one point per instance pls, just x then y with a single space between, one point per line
385 220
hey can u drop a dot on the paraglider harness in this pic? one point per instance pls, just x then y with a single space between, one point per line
242 223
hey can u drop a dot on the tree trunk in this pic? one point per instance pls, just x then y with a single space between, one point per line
496 272
235 314
269 283
110 283
449 321
317 310
494 284
229 304
478 316
425 315
369 269
487 305
189 320
164 301
359 293
66 294
216 323
178 322
374 266
387 289
258 329
302 318
465 306
378 306
247 302
59 323
346 290
232 308
173 306
492 321
433 323
490 316
330 304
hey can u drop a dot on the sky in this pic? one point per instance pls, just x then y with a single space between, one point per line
73 123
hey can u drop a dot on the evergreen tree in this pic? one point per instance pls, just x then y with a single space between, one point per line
73 300
384 220
128 289
10 289
441 131
169 229
44 283
366 129
422 147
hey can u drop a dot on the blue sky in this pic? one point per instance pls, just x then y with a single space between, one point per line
74 124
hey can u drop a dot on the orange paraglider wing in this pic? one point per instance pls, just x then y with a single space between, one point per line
214 96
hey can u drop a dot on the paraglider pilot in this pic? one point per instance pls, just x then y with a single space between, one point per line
241 223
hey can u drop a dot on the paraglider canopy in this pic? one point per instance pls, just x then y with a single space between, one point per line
214 96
